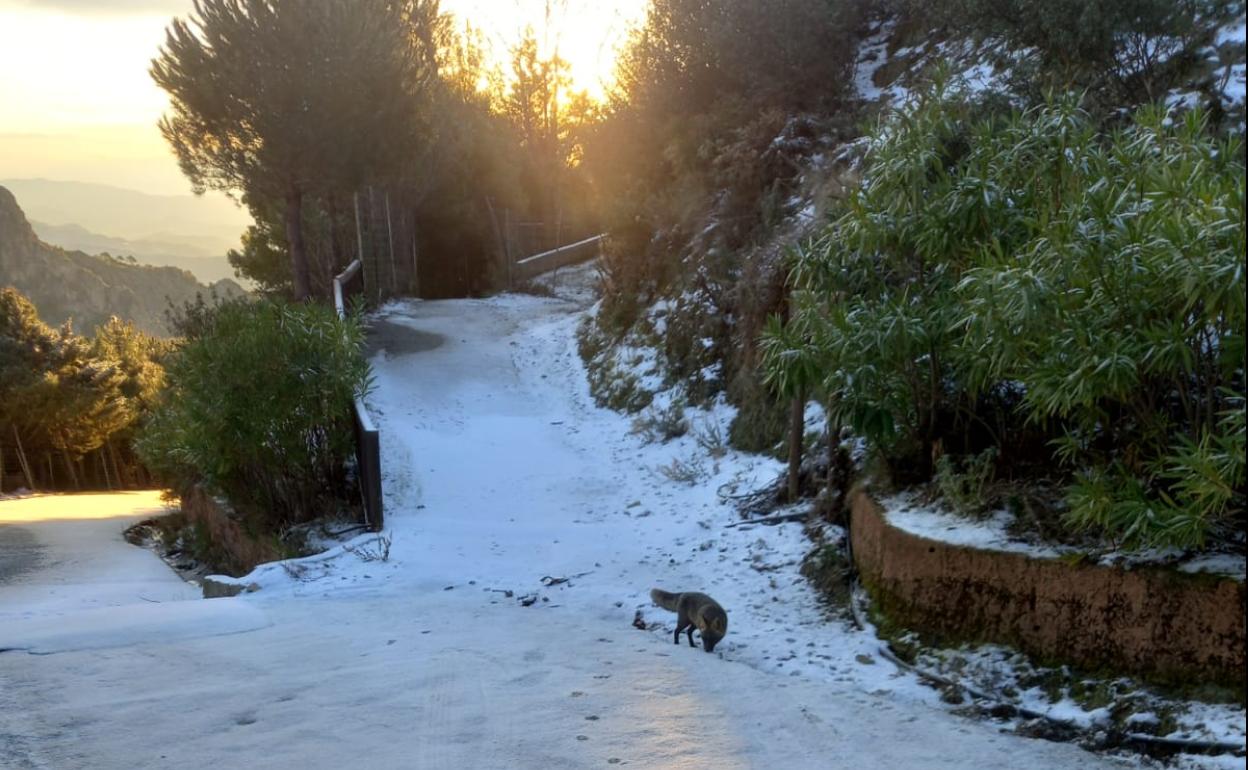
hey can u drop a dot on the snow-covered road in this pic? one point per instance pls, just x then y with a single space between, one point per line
500 472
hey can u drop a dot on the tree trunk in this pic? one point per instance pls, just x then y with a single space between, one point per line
503 257
23 461
108 482
69 466
294 237
122 481
797 432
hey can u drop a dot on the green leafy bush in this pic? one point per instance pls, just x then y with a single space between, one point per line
1032 281
258 407
1124 315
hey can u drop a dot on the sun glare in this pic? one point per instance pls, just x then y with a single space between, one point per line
84 106
55 507
587 34
76 70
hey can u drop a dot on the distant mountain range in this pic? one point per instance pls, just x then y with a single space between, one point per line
207 264
67 284
211 224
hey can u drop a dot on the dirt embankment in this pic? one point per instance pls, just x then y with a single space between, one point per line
1162 625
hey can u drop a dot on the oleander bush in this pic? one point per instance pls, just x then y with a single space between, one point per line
1069 297
258 409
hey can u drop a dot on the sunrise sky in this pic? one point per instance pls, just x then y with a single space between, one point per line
76 102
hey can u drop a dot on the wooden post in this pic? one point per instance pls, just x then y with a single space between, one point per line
415 261
507 246
359 238
372 241
394 276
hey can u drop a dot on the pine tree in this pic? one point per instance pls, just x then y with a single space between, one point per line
284 98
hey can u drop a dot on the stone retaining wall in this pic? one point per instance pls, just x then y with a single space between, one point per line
1162 625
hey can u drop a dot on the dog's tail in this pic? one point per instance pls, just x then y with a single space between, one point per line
664 599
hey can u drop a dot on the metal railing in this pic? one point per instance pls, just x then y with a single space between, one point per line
350 282
563 256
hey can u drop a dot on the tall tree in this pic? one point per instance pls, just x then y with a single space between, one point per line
280 99
56 394
534 103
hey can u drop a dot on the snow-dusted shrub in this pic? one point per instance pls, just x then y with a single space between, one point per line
965 483
258 408
662 424
1125 52
1073 298
689 471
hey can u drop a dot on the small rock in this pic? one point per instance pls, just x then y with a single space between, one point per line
216 589
865 660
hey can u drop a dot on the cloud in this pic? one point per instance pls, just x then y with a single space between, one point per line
105 7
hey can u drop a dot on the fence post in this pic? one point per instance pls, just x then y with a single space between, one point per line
394 276
359 241
415 262
367 438
507 248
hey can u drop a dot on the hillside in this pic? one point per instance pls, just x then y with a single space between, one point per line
204 262
72 285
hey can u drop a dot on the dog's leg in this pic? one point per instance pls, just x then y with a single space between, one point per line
691 644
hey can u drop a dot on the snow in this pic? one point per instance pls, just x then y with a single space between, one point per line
1230 564
906 512
1015 679
995 669
872 55
501 475
1233 78
971 64
1231 33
